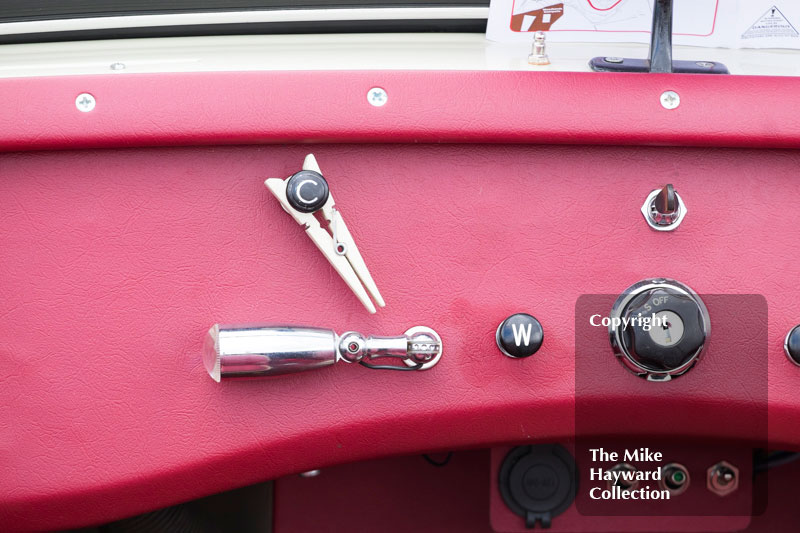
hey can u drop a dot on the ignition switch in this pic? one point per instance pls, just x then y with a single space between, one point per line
659 328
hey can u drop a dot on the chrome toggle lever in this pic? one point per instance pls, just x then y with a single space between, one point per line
664 209
251 351
419 348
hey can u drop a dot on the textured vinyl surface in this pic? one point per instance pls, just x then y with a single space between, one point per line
115 263
423 106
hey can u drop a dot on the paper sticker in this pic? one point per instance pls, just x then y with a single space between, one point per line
713 23
772 24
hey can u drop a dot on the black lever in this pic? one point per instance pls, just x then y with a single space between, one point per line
660 60
661 37
666 202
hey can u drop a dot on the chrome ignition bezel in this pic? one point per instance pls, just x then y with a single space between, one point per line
616 342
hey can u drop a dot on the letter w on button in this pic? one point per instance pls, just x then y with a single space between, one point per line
521 333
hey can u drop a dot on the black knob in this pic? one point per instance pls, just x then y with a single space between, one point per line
519 335
307 191
666 202
792 345
663 208
659 328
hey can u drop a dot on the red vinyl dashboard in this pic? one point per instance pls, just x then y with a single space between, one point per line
128 231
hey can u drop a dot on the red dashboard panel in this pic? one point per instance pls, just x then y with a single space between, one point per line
480 106
115 263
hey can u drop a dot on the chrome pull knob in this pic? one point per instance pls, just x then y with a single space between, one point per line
261 350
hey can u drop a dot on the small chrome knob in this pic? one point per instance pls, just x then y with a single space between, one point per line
658 328
538 55
663 209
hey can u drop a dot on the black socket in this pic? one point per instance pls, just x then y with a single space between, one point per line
538 482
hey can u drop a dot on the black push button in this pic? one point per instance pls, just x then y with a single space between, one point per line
792 345
519 335
307 191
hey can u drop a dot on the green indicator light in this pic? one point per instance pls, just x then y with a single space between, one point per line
678 477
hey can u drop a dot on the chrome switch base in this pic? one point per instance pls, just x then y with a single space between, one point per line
664 215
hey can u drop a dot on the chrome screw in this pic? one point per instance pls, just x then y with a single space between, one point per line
705 64
670 99
85 102
615 60
117 66
377 96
